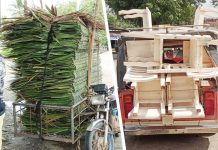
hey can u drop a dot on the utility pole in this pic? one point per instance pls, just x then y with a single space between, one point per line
91 44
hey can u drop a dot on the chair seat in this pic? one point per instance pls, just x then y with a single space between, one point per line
187 112
152 113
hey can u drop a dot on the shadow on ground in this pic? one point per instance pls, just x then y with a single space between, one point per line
167 142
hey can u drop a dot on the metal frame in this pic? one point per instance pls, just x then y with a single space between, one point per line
79 116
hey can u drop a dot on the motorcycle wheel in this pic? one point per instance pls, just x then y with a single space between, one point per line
94 139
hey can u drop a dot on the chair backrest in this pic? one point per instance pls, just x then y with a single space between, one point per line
182 87
150 90
140 51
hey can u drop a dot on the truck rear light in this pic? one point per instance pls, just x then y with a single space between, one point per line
128 104
209 103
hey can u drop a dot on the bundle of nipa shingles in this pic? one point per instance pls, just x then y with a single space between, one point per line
54 74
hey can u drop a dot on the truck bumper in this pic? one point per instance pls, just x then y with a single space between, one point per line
170 130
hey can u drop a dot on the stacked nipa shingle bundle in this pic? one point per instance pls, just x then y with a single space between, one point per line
51 63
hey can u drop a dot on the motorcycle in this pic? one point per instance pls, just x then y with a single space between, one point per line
100 133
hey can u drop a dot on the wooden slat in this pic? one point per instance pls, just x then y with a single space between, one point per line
141 64
211 74
136 109
132 11
187 112
205 83
144 101
162 80
146 113
170 106
186 51
162 108
168 78
140 49
183 70
158 46
167 119
196 100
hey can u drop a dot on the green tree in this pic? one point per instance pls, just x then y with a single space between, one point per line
163 11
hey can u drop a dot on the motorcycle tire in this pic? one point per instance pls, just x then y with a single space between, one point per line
90 135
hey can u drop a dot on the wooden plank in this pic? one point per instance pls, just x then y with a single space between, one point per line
206 75
133 16
186 51
181 101
146 113
187 112
170 106
140 59
162 108
178 65
155 101
183 70
162 80
181 88
196 100
193 55
141 49
168 78
183 104
151 86
149 105
154 95
204 83
150 90
136 100
167 119
132 11
164 131
179 123
145 14
196 53
141 64
136 109
200 54
161 50
143 77
212 42
158 46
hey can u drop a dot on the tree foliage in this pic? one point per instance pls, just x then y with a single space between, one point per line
163 11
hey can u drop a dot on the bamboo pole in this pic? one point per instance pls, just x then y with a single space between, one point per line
25 7
0 12
41 4
91 44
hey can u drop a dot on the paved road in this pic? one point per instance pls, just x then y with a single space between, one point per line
172 142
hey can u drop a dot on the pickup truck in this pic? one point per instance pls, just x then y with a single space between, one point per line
167 77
